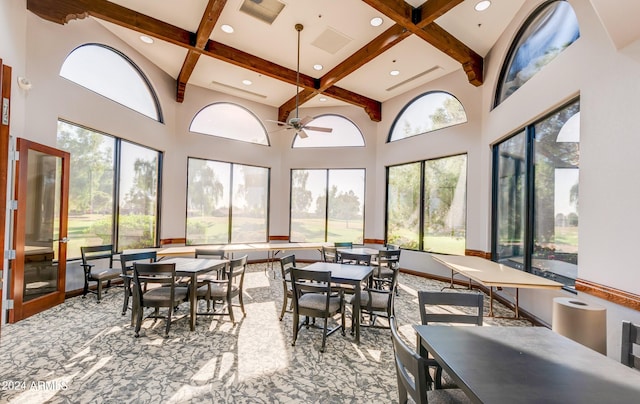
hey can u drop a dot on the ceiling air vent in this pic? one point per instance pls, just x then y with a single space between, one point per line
331 41
264 10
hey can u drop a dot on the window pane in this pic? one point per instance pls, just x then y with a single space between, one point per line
107 72
90 186
445 194
139 167
555 248
511 203
346 206
344 133
428 112
308 205
229 121
250 202
403 205
551 30
208 202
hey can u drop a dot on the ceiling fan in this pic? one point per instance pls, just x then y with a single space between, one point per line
297 123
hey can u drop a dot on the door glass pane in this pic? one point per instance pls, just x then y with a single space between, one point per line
557 154
403 206
208 202
346 206
90 186
445 189
308 205
511 175
250 200
42 225
138 197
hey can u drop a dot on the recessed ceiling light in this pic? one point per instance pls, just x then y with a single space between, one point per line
247 82
482 5
376 22
323 99
317 67
227 28
394 72
146 39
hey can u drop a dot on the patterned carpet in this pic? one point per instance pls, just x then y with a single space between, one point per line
82 352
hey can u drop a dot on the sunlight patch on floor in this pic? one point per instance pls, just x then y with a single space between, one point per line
96 367
206 372
187 393
256 280
255 357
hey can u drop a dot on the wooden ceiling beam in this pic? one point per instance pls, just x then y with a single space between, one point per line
207 23
403 14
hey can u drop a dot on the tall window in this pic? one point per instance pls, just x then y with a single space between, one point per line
226 202
344 133
426 205
95 182
111 74
426 113
549 30
230 121
327 205
536 197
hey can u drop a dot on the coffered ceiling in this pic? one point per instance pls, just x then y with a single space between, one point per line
421 40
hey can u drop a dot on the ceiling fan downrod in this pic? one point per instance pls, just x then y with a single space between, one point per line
298 27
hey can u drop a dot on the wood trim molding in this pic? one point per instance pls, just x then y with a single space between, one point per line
278 238
478 253
167 241
373 241
609 294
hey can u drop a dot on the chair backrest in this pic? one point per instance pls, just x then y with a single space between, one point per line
161 273
435 298
392 247
329 254
236 270
630 337
410 367
343 244
308 281
389 258
286 263
355 259
97 252
215 253
127 260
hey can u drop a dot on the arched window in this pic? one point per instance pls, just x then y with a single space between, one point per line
230 121
426 113
111 74
549 30
344 133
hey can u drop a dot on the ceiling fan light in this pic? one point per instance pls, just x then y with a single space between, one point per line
394 72
318 67
227 28
146 39
376 21
247 82
482 5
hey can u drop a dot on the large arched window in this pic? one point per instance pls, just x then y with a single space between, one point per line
426 113
344 133
230 121
111 74
549 30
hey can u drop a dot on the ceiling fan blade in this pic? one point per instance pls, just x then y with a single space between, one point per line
319 129
306 120
302 134
278 122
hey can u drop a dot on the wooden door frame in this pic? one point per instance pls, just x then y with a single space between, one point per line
5 97
16 288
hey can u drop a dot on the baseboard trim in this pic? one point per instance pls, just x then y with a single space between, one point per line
609 294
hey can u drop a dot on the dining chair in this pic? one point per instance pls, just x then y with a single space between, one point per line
412 375
99 274
126 267
343 244
164 293
388 262
226 289
329 254
354 259
630 337
210 253
286 263
448 307
377 300
314 297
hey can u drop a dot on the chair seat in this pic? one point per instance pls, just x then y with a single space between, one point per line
218 291
317 301
379 300
163 294
385 272
105 274
447 396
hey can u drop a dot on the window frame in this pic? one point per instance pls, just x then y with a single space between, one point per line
247 110
297 137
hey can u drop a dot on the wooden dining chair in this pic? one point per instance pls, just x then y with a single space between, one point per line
630 337
412 376
329 254
286 263
343 244
452 308
377 299
165 293
354 259
314 297
226 289
126 267
94 259
210 253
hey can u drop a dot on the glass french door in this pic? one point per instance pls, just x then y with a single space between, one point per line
40 229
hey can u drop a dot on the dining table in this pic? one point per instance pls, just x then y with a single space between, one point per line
351 275
527 365
192 267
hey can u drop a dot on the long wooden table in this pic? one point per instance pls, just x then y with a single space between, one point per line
494 275
271 248
527 365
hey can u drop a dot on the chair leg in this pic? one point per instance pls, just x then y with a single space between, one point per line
296 319
166 332
438 381
230 309
99 291
138 313
324 334
127 291
284 306
402 392
85 290
244 314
